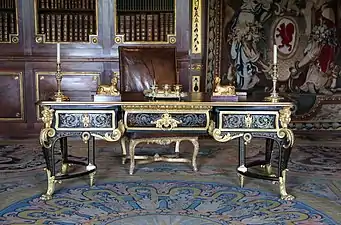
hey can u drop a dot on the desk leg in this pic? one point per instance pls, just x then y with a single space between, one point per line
124 149
242 167
269 145
65 152
92 161
132 145
50 171
283 165
195 154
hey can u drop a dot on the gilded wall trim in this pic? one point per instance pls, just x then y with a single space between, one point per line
196 26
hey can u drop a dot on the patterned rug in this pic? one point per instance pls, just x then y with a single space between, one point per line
210 196
162 203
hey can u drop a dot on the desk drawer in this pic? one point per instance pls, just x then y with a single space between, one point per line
167 120
248 121
85 120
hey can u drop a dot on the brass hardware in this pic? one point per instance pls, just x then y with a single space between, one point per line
94 78
247 138
196 26
248 120
111 89
47 131
282 187
16 78
85 137
223 90
166 122
51 183
86 120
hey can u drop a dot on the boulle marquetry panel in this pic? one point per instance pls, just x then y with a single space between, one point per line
11 96
158 121
79 86
85 120
145 21
249 121
66 21
9 31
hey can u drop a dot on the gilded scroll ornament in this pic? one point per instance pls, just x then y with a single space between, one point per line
115 135
285 132
166 122
47 131
216 133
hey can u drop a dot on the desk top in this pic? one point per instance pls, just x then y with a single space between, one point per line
193 99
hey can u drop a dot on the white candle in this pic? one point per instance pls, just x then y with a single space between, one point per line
58 52
275 54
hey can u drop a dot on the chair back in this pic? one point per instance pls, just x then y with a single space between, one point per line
141 66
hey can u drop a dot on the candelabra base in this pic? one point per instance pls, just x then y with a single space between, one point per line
60 97
273 98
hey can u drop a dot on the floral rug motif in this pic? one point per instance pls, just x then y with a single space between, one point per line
161 202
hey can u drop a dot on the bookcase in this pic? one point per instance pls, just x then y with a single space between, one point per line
66 21
9 21
145 21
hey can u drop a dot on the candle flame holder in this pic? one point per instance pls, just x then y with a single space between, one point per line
59 96
274 96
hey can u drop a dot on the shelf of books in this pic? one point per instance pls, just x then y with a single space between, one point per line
9 21
145 21
67 21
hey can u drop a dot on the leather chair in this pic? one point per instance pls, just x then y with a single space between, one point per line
140 67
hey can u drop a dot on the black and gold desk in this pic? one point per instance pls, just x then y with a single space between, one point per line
224 121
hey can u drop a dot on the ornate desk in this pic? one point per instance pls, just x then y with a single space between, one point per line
224 121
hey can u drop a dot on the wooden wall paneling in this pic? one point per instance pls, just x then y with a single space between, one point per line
182 66
11 96
183 33
79 86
